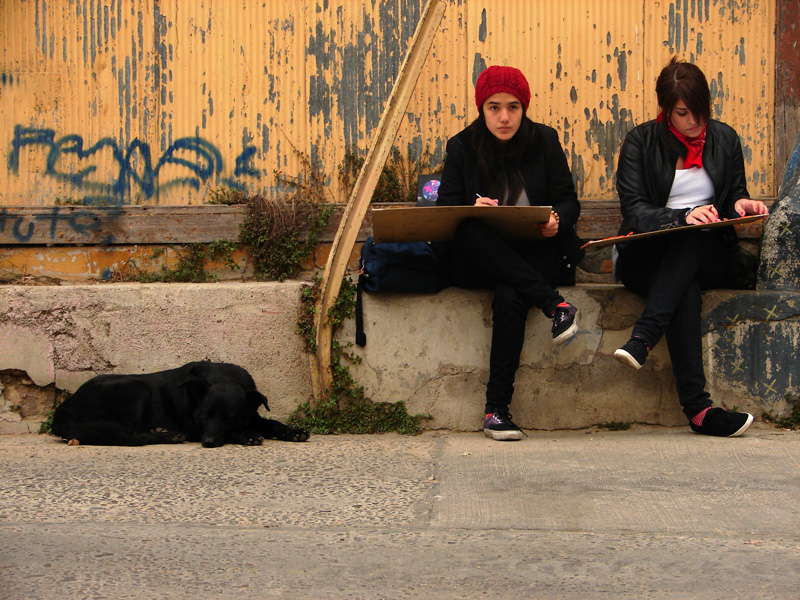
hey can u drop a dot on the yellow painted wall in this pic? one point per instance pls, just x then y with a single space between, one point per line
161 102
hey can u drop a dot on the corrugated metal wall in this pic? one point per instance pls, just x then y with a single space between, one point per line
163 101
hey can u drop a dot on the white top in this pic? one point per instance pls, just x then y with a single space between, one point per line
523 199
690 188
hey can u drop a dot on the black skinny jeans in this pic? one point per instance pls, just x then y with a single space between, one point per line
523 275
669 272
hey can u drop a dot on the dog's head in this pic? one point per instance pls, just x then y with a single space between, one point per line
222 409
223 399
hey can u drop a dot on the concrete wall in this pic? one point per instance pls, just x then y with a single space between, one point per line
429 351
433 353
62 336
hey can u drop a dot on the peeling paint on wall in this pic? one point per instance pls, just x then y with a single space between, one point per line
604 136
755 342
163 101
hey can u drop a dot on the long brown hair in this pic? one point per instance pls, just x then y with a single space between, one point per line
499 162
681 80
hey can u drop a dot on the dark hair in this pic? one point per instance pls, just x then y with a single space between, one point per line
498 162
681 80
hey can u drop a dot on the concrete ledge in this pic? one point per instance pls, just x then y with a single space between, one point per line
429 351
64 335
433 353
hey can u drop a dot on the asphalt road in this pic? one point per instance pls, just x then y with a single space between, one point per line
644 513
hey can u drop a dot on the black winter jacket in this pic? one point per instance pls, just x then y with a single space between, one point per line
545 175
646 171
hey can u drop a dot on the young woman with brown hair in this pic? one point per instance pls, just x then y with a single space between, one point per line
682 168
504 158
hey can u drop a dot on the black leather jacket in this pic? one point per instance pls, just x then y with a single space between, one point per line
646 171
545 175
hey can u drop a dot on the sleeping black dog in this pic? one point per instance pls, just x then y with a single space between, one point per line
206 402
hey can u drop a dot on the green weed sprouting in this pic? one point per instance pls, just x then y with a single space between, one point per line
398 179
359 417
345 409
46 426
191 266
792 420
616 425
281 233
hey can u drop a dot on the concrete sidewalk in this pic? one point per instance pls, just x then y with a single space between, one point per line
651 512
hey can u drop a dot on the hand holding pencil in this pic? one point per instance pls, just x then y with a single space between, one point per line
484 201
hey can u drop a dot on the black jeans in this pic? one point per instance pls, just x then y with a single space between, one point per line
669 272
523 275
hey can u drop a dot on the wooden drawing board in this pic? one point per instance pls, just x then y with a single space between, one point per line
438 223
597 244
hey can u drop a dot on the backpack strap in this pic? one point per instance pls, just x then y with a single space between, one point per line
361 337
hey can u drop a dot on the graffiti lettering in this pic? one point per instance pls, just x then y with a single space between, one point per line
134 172
16 230
243 166
82 222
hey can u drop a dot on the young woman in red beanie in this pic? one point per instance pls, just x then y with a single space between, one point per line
504 158
683 168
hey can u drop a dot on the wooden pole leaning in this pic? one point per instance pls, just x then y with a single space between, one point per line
358 203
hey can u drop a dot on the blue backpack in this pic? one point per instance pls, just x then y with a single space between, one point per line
398 267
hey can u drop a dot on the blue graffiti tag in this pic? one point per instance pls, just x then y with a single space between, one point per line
82 222
199 157
16 230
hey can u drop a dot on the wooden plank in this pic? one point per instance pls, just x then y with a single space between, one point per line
126 225
119 224
358 204
438 223
599 219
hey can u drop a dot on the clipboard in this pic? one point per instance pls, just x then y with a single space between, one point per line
631 237
438 223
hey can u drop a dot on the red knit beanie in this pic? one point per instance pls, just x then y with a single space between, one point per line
502 79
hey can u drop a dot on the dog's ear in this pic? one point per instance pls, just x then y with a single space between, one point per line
257 398
194 386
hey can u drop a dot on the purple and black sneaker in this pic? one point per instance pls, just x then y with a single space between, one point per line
499 426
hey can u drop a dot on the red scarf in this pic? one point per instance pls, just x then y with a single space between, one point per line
694 146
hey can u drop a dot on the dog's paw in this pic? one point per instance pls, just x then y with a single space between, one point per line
161 435
245 438
296 435
253 439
